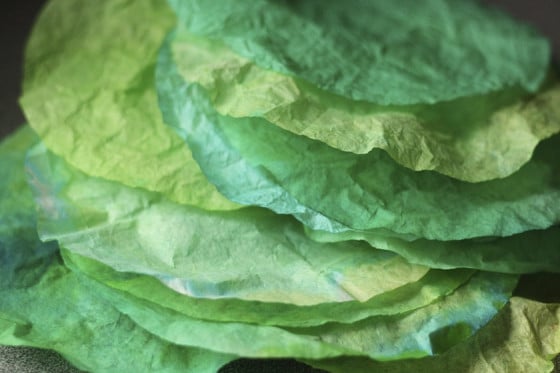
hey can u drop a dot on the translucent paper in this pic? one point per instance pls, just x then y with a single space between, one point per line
524 337
39 276
43 304
191 208
428 289
90 96
255 163
412 53
470 307
476 138
527 252
249 254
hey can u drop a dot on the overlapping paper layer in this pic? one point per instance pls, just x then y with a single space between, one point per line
255 163
277 180
414 51
473 138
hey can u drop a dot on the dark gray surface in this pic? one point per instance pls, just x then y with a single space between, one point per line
16 20
32 360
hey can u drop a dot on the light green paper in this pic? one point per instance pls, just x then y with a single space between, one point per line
524 337
398 53
254 162
78 317
89 93
43 304
473 303
404 299
473 139
428 331
247 340
15 211
250 254
532 251
412 334
99 329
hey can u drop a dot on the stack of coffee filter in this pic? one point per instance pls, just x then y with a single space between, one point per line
354 185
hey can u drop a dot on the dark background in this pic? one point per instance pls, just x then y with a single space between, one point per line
16 19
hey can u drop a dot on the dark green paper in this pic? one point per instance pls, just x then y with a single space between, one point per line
388 52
